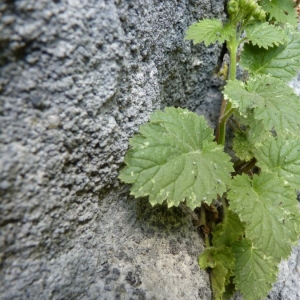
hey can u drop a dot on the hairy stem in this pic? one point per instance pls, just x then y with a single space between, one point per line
227 109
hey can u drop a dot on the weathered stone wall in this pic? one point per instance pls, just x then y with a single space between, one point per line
77 79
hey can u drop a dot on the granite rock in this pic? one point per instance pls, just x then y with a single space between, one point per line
77 80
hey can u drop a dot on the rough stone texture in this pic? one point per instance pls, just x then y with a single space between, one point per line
77 79
288 281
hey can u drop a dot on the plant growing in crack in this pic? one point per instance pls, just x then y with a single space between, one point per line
249 211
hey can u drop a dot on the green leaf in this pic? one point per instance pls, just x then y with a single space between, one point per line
237 93
254 272
281 10
279 105
281 156
281 62
265 35
209 31
221 261
175 158
269 210
230 230
274 102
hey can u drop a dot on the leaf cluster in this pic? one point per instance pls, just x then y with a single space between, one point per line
175 157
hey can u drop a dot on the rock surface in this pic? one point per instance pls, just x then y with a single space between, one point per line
77 79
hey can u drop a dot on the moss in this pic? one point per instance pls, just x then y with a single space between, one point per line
160 216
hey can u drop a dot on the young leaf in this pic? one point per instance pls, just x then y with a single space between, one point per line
237 93
281 156
221 261
281 62
175 158
209 31
269 97
229 231
265 35
243 146
269 210
254 272
281 10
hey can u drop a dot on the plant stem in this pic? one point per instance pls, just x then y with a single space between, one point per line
246 167
203 223
227 110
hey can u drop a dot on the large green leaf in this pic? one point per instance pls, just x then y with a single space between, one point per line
254 272
221 260
265 35
281 62
269 210
281 10
273 101
209 31
175 158
281 156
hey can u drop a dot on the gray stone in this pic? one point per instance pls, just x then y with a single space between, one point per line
77 80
